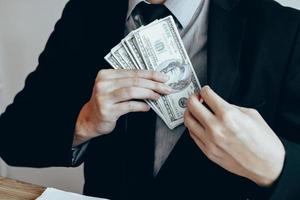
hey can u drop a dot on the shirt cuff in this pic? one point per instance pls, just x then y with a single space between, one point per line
78 153
287 186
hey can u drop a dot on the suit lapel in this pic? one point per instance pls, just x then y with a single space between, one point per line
136 142
138 154
225 36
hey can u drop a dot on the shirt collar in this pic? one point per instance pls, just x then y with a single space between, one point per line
183 10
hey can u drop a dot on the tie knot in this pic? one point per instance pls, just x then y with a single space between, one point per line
146 13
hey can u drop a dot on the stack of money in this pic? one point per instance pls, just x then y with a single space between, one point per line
159 47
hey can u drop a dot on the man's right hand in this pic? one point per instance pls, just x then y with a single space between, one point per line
115 94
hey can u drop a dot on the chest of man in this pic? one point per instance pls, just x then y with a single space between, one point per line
244 65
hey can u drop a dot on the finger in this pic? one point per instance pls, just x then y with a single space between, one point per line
139 82
130 106
209 149
200 112
213 100
199 143
194 127
126 94
123 73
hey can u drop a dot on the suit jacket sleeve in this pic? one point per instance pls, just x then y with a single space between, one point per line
37 128
288 126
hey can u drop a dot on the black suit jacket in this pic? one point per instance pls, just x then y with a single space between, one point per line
253 61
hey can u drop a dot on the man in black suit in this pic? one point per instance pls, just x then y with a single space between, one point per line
240 144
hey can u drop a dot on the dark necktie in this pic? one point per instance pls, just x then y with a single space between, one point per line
145 13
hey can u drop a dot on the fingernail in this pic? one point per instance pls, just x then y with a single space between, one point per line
200 98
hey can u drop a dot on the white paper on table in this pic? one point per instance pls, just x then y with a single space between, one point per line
55 194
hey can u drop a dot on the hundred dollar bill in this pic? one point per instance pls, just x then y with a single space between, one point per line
130 43
120 54
162 50
112 61
133 60
116 65
134 51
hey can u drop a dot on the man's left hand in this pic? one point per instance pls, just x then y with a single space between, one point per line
236 138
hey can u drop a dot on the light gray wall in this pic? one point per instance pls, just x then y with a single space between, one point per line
24 28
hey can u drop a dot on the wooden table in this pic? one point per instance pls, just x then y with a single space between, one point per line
17 190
